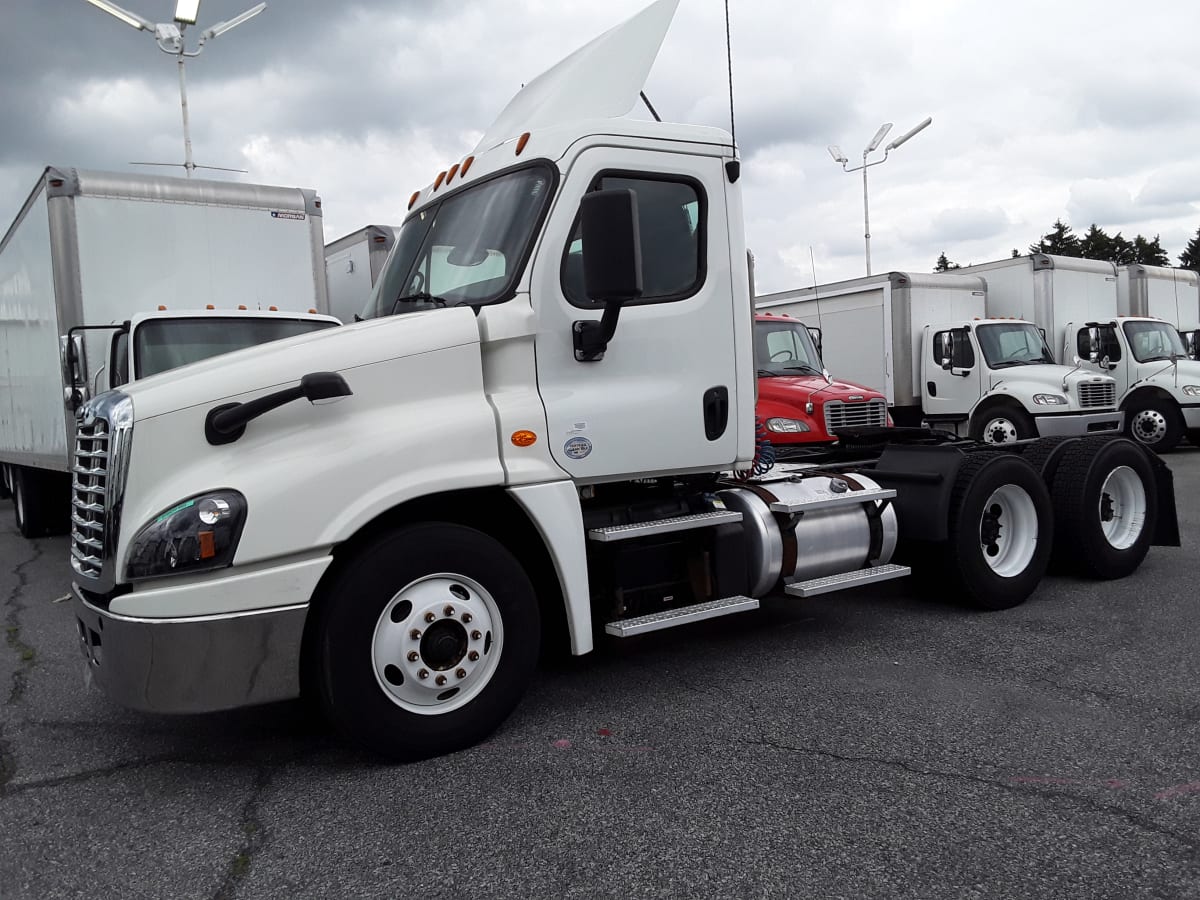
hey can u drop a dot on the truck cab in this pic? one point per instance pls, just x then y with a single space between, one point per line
799 404
999 377
1158 381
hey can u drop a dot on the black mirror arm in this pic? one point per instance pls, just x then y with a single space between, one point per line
592 337
226 423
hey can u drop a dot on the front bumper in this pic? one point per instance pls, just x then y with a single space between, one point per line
1075 424
194 664
1191 415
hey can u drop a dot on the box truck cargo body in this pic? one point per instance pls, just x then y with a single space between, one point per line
925 341
103 275
1077 303
1166 293
352 263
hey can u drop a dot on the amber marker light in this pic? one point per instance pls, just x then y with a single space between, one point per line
441 177
521 142
466 165
209 306
273 308
413 199
523 438
453 171
161 307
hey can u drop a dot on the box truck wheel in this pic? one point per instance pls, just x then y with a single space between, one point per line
1193 436
1154 422
425 641
1000 524
5 490
1002 424
1105 506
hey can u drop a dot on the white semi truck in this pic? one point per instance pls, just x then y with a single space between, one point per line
1076 302
105 278
481 468
352 265
927 342
1162 292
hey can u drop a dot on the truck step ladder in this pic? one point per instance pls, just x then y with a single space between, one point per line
669 618
662 526
846 580
827 499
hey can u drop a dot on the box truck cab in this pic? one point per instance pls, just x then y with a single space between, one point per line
799 404
992 380
1076 302
1163 292
488 467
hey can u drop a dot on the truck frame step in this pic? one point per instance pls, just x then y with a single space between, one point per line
831 499
662 526
669 618
846 580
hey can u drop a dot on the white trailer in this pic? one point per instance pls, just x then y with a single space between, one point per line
352 264
535 447
102 274
1077 303
994 382
1163 292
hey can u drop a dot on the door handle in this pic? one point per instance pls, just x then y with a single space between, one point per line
716 412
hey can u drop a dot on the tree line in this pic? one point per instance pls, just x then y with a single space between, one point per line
1095 243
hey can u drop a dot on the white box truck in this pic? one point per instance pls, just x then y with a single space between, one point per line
927 343
107 277
484 468
352 264
1166 293
1076 302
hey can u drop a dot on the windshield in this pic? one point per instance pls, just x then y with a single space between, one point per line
163 344
784 347
466 250
1013 344
1153 340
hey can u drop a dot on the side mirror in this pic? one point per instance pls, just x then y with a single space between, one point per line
75 390
946 350
226 423
815 334
612 265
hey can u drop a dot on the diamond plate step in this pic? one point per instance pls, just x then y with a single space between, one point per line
831 583
827 499
662 526
669 618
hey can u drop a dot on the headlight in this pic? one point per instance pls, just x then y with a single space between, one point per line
1192 390
193 536
1050 399
787 425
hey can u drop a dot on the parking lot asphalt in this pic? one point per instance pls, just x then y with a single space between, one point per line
874 743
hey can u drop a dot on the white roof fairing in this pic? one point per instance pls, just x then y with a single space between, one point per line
602 79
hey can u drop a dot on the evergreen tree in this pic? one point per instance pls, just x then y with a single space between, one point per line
1190 257
1149 253
1096 244
1015 253
1122 251
1059 241
944 265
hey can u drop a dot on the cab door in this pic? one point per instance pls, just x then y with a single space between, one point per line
951 372
663 397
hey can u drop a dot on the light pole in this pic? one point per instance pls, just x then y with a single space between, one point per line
169 37
836 152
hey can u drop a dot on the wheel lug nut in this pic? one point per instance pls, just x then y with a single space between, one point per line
473 656
413 655
448 611
460 673
440 680
476 635
466 617
423 674
429 617
415 634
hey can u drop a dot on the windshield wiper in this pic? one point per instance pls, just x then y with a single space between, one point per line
803 368
1008 363
418 297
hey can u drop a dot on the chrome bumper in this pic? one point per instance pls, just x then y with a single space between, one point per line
1075 424
195 664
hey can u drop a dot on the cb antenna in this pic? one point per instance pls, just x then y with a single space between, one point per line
729 61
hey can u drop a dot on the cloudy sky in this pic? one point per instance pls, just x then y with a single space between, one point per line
1088 111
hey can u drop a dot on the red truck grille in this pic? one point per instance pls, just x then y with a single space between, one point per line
839 414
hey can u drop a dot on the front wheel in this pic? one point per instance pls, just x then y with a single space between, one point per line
1002 425
999 531
425 641
1193 436
1156 423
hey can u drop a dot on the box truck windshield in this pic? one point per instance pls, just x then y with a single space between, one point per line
1150 341
1016 344
785 348
165 344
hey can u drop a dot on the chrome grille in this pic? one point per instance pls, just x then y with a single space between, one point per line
89 482
1097 393
839 414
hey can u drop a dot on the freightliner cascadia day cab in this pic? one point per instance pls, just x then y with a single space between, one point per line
481 464
352 266
800 406
1075 301
105 278
927 343
1162 292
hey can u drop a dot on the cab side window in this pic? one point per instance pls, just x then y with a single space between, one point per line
1109 346
962 354
671 222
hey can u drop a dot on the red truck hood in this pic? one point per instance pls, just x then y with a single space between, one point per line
792 389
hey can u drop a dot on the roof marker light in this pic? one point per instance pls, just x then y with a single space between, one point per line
521 142
413 199
161 307
241 306
438 181
273 308
209 306
452 173
466 165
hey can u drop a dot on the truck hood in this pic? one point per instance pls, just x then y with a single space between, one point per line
794 390
1024 381
282 363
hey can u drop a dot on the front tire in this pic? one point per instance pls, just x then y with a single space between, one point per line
425 641
1000 528
1154 423
1002 424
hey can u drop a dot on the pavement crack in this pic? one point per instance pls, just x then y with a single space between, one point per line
253 832
14 605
